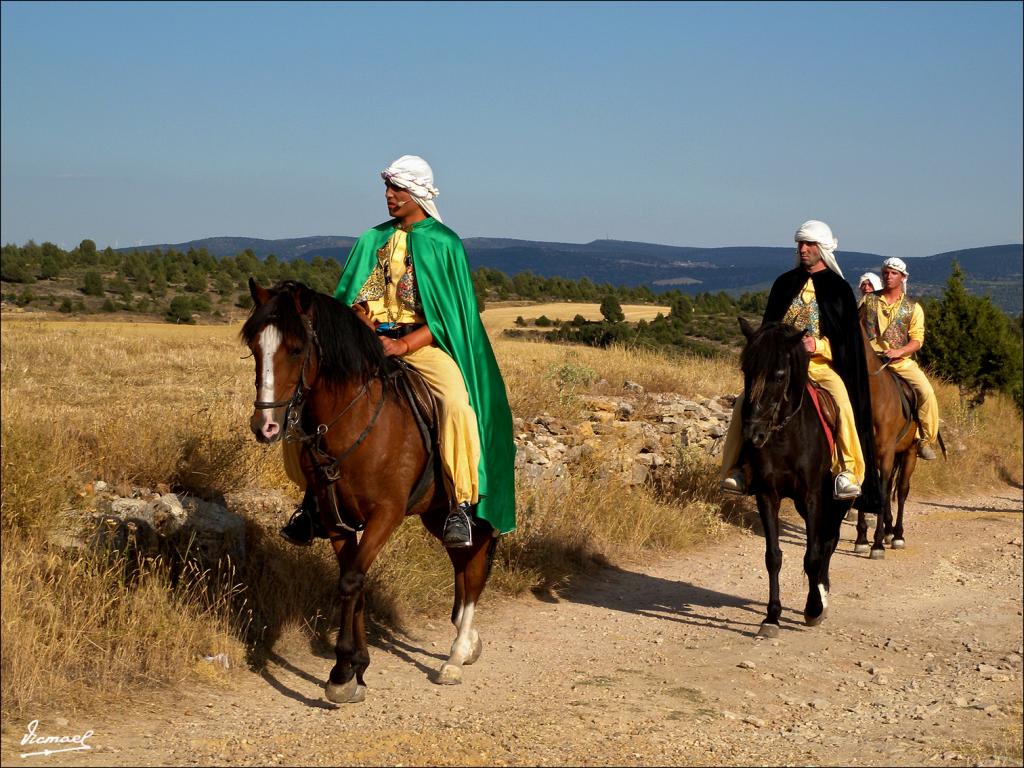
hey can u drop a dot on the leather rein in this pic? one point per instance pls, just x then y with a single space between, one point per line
293 413
772 426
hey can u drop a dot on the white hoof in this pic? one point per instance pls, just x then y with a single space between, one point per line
475 650
449 675
817 619
345 693
899 544
877 554
860 549
887 538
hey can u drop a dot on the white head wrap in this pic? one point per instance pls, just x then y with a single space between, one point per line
818 232
871 277
413 174
900 266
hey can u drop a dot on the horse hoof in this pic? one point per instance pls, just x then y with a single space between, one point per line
345 693
888 538
475 651
813 621
449 675
768 630
860 549
877 554
899 544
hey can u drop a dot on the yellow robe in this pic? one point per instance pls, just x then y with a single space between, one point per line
847 455
908 369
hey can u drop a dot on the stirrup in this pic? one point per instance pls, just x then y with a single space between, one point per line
458 529
304 524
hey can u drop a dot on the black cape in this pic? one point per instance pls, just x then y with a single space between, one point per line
840 324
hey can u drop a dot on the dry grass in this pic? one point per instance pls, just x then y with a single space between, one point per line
153 404
498 316
76 626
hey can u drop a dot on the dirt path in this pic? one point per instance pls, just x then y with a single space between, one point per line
918 663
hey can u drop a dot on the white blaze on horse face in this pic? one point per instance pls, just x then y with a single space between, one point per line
269 342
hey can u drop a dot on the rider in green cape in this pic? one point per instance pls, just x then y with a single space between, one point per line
410 279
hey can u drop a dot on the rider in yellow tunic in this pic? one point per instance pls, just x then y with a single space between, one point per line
389 296
895 326
828 322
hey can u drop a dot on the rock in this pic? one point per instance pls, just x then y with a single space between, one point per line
182 526
747 665
757 722
632 386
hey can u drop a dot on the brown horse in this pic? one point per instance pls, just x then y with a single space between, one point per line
895 426
322 378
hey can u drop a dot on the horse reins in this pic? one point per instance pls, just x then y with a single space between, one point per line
772 426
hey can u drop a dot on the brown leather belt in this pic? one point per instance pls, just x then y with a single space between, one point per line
398 330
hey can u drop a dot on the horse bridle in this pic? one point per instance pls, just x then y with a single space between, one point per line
293 412
772 426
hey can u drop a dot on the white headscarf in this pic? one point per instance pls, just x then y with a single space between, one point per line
871 277
900 266
413 174
814 231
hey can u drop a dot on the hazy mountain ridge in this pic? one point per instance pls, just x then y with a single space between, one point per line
996 270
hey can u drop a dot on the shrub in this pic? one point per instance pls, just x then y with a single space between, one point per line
180 310
92 283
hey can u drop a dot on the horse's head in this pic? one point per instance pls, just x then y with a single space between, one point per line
300 338
279 332
774 366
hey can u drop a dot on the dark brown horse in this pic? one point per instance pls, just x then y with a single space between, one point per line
322 378
893 412
787 455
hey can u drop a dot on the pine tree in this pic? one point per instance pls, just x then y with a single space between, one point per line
969 342
611 310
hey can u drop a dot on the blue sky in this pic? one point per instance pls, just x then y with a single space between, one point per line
687 124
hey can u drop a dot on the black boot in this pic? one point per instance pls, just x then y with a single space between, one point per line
304 525
458 528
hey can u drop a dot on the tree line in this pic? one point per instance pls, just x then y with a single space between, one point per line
970 341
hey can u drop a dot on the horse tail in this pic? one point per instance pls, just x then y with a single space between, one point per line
897 473
492 548
942 444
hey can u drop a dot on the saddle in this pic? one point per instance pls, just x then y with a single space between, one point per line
828 412
417 392
908 403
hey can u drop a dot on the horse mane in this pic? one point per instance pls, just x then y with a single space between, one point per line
762 354
348 349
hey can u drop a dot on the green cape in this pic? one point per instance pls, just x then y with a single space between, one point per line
450 308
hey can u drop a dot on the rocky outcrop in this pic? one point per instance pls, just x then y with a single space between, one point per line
638 434
151 524
635 434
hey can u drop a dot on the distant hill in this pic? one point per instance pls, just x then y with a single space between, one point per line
993 270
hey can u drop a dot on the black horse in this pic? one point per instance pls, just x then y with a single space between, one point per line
786 455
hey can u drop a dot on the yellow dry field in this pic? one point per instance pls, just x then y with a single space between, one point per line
498 317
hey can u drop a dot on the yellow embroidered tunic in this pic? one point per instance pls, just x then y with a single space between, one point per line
889 336
390 296
848 456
